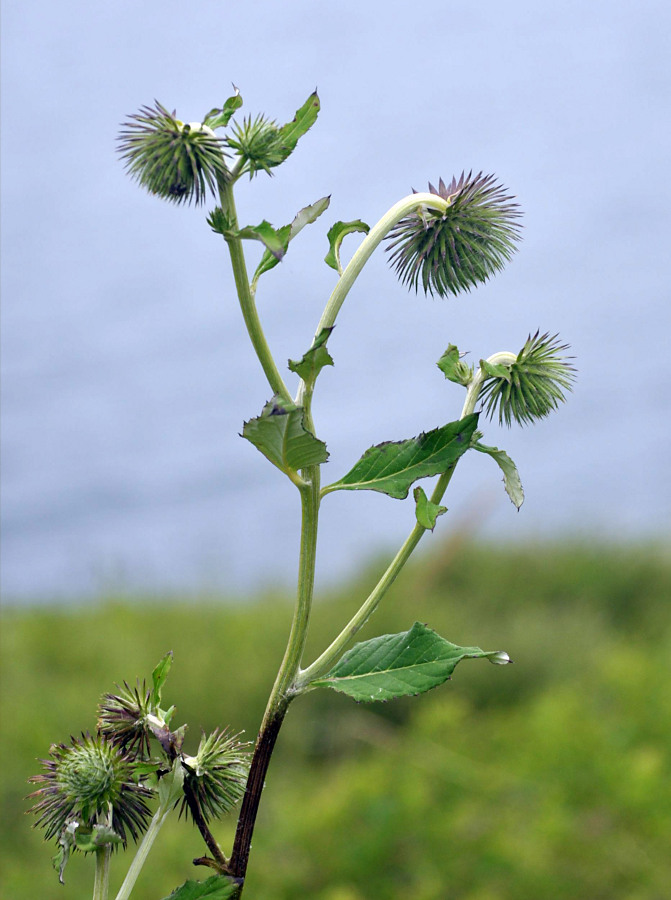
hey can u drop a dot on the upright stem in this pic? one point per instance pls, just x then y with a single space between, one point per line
246 298
101 882
282 691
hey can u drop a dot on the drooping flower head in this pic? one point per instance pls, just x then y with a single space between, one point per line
529 386
455 248
178 161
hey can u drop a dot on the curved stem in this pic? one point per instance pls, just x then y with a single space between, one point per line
375 236
246 298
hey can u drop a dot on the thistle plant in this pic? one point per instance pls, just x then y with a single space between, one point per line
95 793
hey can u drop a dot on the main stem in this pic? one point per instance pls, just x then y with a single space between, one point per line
282 691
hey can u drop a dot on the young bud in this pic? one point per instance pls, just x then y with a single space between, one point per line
215 777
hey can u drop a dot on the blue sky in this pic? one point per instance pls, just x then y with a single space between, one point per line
125 373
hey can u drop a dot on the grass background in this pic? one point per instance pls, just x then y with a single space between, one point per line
548 778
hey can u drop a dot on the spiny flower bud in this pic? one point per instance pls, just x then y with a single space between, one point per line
177 161
259 143
458 247
215 777
85 782
529 386
123 718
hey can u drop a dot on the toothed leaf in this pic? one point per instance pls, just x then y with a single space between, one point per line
305 216
314 360
280 434
511 478
393 467
400 665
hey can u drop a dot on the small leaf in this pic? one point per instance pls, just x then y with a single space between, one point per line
392 467
219 118
88 841
304 217
218 887
171 786
304 119
494 370
159 676
276 240
453 367
335 237
314 360
280 434
400 665
511 478
426 511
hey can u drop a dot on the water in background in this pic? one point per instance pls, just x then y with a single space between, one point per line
126 376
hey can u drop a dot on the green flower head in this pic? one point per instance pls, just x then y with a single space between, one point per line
454 247
89 782
215 777
178 161
528 386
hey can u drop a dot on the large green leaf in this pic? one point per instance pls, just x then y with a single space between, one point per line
287 233
304 119
392 467
335 237
280 434
218 887
511 477
400 665
314 360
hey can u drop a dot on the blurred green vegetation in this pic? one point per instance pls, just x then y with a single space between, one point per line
549 778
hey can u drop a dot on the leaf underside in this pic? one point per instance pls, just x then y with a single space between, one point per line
335 238
287 233
392 467
398 665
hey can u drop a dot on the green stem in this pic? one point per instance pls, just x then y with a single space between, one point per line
282 691
246 298
375 236
335 650
143 851
101 882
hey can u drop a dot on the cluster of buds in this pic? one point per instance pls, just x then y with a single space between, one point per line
95 790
